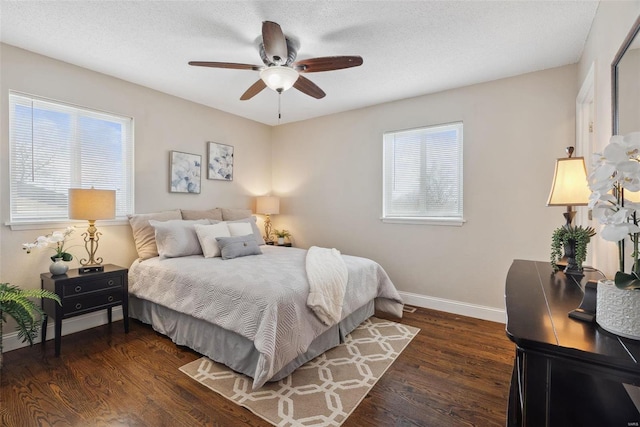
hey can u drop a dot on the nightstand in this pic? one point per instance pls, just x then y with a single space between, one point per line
287 245
84 293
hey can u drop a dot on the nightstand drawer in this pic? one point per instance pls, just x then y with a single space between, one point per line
101 284
91 302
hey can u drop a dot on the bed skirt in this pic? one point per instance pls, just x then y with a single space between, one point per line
229 348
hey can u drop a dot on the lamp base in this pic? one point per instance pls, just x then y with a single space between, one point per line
587 310
95 268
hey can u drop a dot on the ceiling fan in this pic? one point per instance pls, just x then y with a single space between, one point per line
279 71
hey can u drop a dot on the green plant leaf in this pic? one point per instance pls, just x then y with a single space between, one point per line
627 281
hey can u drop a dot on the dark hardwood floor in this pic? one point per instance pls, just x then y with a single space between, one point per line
456 372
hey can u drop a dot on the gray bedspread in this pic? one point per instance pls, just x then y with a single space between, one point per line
261 297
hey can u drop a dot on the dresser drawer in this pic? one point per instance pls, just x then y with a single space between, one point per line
88 286
91 302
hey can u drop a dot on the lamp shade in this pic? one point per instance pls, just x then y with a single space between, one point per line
268 205
92 204
569 186
279 78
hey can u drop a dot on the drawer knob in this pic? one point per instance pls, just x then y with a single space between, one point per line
111 282
110 299
78 306
78 288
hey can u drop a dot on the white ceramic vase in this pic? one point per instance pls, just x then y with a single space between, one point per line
58 267
281 240
617 310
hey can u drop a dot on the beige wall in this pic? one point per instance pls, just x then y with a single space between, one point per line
329 171
162 123
610 27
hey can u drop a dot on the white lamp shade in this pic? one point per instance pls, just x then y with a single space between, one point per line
92 204
569 186
279 78
268 205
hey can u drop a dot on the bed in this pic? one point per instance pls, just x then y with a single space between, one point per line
250 312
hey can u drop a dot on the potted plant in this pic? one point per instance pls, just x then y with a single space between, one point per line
15 303
615 187
573 240
57 241
281 234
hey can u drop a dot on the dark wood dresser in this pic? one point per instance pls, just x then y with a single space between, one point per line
566 372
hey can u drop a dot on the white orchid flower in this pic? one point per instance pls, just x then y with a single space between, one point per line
617 232
605 198
615 153
42 241
631 142
56 237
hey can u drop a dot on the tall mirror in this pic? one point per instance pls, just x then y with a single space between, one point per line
625 76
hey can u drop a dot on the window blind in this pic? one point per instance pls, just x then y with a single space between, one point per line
56 146
423 173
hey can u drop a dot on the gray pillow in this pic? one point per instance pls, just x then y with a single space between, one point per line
237 246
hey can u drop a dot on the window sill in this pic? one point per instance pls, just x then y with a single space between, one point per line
53 225
451 222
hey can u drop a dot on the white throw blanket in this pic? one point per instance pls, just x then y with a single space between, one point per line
327 274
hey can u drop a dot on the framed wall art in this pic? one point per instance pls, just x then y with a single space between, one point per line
220 161
184 169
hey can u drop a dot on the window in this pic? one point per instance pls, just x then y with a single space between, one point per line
423 175
56 146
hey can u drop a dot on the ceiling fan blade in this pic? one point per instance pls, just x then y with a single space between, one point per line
255 89
231 65
308 87
327 63
275 45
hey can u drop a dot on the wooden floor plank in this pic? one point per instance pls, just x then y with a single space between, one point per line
456 371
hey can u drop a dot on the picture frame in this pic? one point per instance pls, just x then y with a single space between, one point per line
184 172
219 161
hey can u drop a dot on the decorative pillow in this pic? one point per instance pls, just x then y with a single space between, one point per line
177 238
240 228
144 234
234 247
215 214
207 236
234 214
256 232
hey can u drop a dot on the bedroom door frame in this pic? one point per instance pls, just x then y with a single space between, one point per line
585 143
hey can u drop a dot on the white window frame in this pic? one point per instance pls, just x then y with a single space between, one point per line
423 216
124 194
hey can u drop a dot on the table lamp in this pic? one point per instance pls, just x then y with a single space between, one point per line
91 205
268 205
570 189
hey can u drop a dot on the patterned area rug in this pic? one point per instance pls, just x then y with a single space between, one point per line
324 391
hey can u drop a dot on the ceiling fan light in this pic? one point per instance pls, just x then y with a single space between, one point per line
279 78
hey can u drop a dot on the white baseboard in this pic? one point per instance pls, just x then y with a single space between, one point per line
69 326
455 307
75 324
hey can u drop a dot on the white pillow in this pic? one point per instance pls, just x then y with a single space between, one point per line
207 236
176 238
252 222
239 228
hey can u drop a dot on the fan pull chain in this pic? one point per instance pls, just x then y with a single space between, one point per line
279 105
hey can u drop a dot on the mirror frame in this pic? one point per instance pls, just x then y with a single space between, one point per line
635 30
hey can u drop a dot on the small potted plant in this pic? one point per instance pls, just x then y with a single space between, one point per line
573 240
57 241
15 303
281 235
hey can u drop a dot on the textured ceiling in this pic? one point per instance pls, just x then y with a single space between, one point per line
409 48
